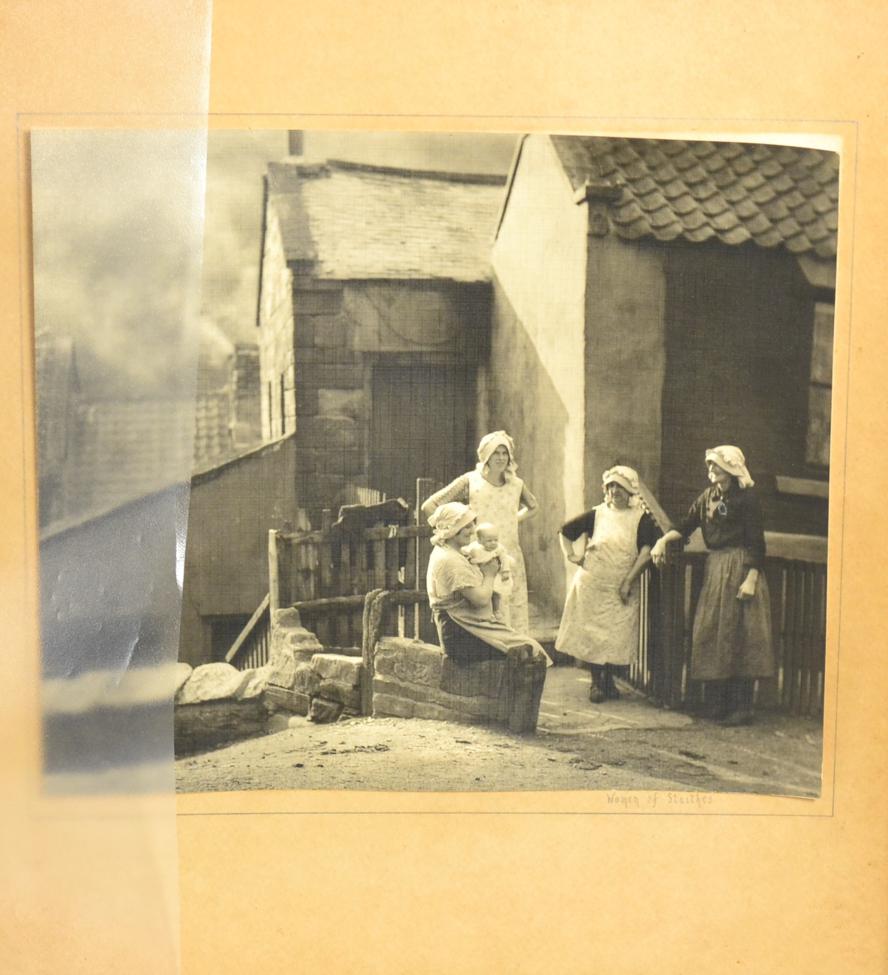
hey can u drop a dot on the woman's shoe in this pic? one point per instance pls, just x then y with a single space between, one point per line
596 694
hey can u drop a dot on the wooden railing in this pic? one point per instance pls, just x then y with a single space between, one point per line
251 648
798 617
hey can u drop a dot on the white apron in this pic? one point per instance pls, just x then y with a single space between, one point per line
597 626
499 506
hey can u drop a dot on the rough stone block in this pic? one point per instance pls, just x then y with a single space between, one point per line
293 701
323 711
305 679
212 682
436 712
385 705
471 680
345 694
257 681
211 723
409 660
392 687
337 666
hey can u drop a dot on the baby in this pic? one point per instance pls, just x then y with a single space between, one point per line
488 547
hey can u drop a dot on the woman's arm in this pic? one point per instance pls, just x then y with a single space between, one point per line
642 559
457 490
480 596
529 505
568 550
658 551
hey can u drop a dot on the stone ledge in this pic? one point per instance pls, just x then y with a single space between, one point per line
415 679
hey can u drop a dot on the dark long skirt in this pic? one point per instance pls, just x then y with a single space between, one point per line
731 638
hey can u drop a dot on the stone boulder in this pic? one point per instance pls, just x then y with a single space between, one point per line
219 704
212 682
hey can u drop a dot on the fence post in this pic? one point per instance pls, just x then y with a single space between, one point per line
424 487
274 591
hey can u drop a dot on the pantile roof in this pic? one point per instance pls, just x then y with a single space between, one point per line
728 191
350 221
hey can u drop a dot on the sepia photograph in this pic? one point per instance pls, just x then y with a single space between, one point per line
433 462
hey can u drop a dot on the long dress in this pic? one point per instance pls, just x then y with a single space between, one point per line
597 626
499 505
730 638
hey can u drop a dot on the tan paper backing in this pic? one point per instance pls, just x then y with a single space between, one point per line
392 883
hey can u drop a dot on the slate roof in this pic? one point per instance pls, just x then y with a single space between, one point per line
128 448
349 221
669 189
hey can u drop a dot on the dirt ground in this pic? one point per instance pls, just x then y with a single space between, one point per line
625 744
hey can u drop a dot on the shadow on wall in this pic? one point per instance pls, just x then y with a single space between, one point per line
519 396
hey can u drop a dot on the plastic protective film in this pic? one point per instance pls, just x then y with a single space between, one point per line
109 240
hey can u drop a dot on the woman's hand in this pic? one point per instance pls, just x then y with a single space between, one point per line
658 553
625 590
747 587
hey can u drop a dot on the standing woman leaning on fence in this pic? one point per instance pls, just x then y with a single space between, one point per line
496 495
731 642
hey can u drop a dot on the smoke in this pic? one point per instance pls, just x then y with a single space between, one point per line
117 220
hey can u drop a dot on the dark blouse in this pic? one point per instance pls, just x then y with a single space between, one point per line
646 534
731 521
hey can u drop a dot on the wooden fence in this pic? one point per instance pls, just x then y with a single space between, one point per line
798 616
326 574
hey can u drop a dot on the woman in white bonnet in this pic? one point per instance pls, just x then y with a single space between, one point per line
731 642
460 595
495 492
611 544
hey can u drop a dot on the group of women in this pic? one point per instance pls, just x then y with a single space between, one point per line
611 545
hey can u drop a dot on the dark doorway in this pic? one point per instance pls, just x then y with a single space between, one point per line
421 426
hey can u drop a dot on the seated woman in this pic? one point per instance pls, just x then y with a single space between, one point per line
460 595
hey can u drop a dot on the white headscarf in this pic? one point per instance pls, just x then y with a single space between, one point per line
489 443
731 459
448 519
626 477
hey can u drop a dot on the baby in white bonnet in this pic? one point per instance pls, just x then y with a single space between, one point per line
487 547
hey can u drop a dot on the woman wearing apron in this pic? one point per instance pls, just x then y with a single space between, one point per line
601 613
496 495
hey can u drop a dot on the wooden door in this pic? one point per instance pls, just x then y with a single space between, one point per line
421 426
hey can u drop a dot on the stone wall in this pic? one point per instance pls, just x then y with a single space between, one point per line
412 679
533 380
231 510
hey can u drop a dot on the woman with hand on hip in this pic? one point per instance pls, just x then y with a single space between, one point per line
611 544
731 642
498 496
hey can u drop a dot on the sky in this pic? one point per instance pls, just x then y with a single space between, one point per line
146 244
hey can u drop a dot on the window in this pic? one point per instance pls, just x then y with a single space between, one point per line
283 404
820 389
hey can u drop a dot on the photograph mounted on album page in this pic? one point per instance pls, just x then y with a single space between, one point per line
438 462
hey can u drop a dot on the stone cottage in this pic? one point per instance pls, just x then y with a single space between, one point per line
652 298
373 317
